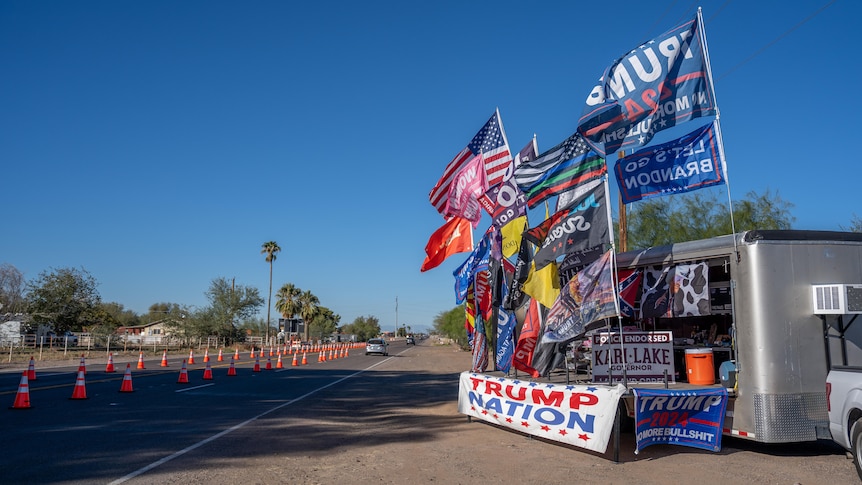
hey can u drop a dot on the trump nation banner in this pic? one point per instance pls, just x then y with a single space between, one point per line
578 415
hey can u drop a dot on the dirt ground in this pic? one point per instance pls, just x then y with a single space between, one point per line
441 446
462 452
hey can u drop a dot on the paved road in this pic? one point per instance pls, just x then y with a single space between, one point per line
115 436
366 419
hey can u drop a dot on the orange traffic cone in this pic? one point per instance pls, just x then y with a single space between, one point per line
347 352
321 357
110 366
236 354
82 367
304 360
208 373
231 371
191 356
252 354
295 363
141 361
126 386
184 375
256 364
22 399
164 358
80 391
279 364
268 363
220 356
206 355
31 371
330 354
262 353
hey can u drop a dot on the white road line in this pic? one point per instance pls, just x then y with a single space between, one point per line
193 388
216 436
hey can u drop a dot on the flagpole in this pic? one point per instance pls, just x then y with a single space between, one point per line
624 229
614 281
718 136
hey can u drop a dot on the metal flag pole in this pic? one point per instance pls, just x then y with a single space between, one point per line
717 123
614 281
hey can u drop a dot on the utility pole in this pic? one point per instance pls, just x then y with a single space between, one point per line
396 316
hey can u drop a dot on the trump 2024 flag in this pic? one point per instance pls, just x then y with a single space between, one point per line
659 85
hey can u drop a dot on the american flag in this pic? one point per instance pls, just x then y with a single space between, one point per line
562 168
491 142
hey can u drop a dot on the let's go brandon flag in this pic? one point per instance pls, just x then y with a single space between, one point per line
682 165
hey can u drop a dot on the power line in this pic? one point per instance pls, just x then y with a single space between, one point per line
717 11
759 51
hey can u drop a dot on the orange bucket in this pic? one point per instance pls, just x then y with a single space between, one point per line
700 366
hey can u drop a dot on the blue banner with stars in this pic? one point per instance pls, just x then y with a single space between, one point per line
577 415
692 417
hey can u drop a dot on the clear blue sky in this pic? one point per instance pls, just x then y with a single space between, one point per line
158 144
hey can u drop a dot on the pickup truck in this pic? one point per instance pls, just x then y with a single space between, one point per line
844 404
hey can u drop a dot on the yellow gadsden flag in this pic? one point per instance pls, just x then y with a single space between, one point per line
543 285
511 233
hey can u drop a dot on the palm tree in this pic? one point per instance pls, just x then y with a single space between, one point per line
287 300
270 248
308 304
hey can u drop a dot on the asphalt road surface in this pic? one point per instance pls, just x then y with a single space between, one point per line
357 419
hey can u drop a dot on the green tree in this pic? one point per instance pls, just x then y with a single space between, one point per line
451 324
308 304
287 300
11 290
252 326
701 215
324 322
118 316
63 297
855 224
363 327
161 311
270 249
229 304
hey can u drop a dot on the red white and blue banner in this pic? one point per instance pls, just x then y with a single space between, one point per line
691 417
646 356
578 415
682 165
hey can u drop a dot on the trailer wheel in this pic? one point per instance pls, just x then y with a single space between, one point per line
856 446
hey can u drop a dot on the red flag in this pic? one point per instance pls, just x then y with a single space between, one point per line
454 237
523 358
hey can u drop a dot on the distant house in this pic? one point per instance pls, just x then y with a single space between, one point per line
150 332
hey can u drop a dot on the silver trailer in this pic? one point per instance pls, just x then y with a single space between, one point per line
764 294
